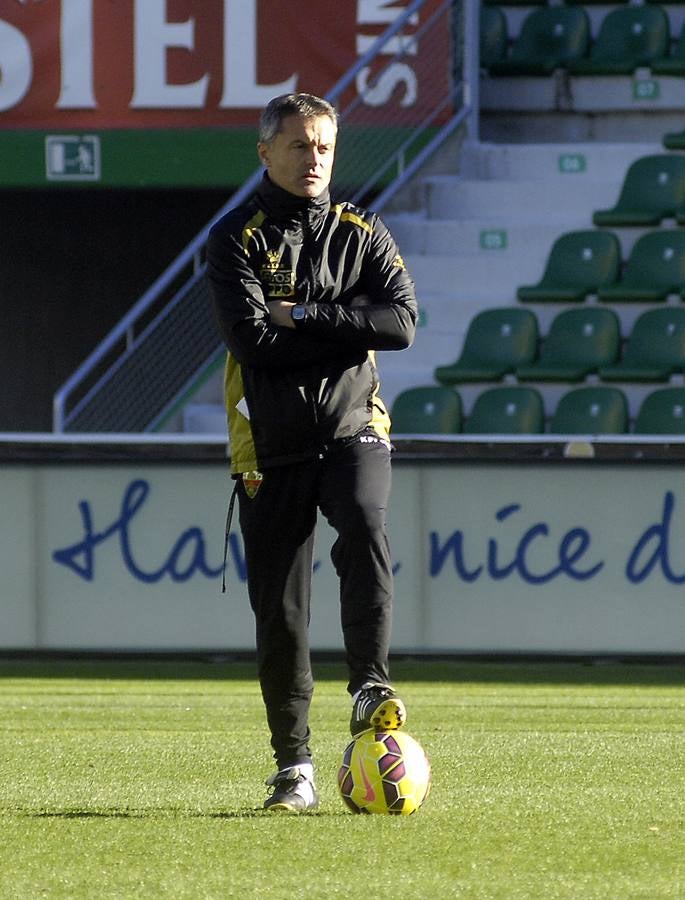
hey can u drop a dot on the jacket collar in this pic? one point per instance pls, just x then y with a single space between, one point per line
281 204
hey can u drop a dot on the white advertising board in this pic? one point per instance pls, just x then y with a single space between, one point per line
488 558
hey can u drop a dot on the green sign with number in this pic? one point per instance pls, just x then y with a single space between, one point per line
572 162
493 239
646 89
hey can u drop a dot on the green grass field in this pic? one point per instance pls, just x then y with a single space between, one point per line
130 779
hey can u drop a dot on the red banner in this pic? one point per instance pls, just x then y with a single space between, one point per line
94 64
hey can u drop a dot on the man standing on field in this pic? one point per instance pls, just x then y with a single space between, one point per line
305 291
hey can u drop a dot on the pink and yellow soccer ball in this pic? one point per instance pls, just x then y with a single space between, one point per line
384 772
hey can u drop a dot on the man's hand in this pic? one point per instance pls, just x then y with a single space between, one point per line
279 310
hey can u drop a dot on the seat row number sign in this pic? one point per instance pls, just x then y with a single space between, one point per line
646 89
493 239
570 163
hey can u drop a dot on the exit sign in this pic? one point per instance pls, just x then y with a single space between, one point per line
71 157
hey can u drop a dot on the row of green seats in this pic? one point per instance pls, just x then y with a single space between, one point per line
554 37
587 263
580 342
434 409
520 3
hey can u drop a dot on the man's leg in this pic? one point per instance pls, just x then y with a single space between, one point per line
277 524
354 492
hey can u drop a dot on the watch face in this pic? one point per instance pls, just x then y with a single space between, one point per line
298 313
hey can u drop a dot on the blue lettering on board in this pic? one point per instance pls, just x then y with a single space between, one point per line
572 550
574 544
187 557
658 538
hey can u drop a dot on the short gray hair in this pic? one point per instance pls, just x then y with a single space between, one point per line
309 106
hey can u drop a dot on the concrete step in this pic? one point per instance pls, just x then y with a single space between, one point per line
521 201
204 418
494 276
602 95
577 162
480 237
506 126
490 239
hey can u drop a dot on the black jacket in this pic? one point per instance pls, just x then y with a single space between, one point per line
289 393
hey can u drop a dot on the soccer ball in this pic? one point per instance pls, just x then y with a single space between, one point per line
384 772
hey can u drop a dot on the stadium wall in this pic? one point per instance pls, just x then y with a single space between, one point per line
533 547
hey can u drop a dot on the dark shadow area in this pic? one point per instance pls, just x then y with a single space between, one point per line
82 814
246 813
73 263
607 670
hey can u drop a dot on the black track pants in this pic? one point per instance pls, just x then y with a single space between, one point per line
351 485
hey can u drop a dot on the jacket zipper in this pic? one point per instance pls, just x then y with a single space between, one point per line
310 393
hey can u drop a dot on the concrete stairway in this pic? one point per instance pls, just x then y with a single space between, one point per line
481 233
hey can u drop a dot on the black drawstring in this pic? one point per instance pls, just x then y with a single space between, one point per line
229 519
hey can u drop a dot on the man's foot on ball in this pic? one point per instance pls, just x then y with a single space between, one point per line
377 706
293 790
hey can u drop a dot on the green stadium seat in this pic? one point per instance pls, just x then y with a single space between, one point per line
427 410
591 410
595 2
579 263
516 2
655 350
674 140
629 37
507 410
673 63
655 269
662 412
653 189
494 36
497 341
579 342
549 39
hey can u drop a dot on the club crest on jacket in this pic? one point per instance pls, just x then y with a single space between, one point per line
252 481
277 280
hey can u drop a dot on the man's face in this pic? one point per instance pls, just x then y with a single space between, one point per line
300 158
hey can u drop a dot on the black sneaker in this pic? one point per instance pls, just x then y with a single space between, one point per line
377 706
292 791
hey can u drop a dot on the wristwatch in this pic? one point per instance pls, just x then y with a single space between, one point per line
298 313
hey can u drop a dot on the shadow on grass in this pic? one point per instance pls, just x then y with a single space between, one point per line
166 813
81 814
542 669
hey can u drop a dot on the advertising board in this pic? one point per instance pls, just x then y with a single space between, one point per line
488 558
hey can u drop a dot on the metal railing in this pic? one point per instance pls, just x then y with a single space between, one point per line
152 361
